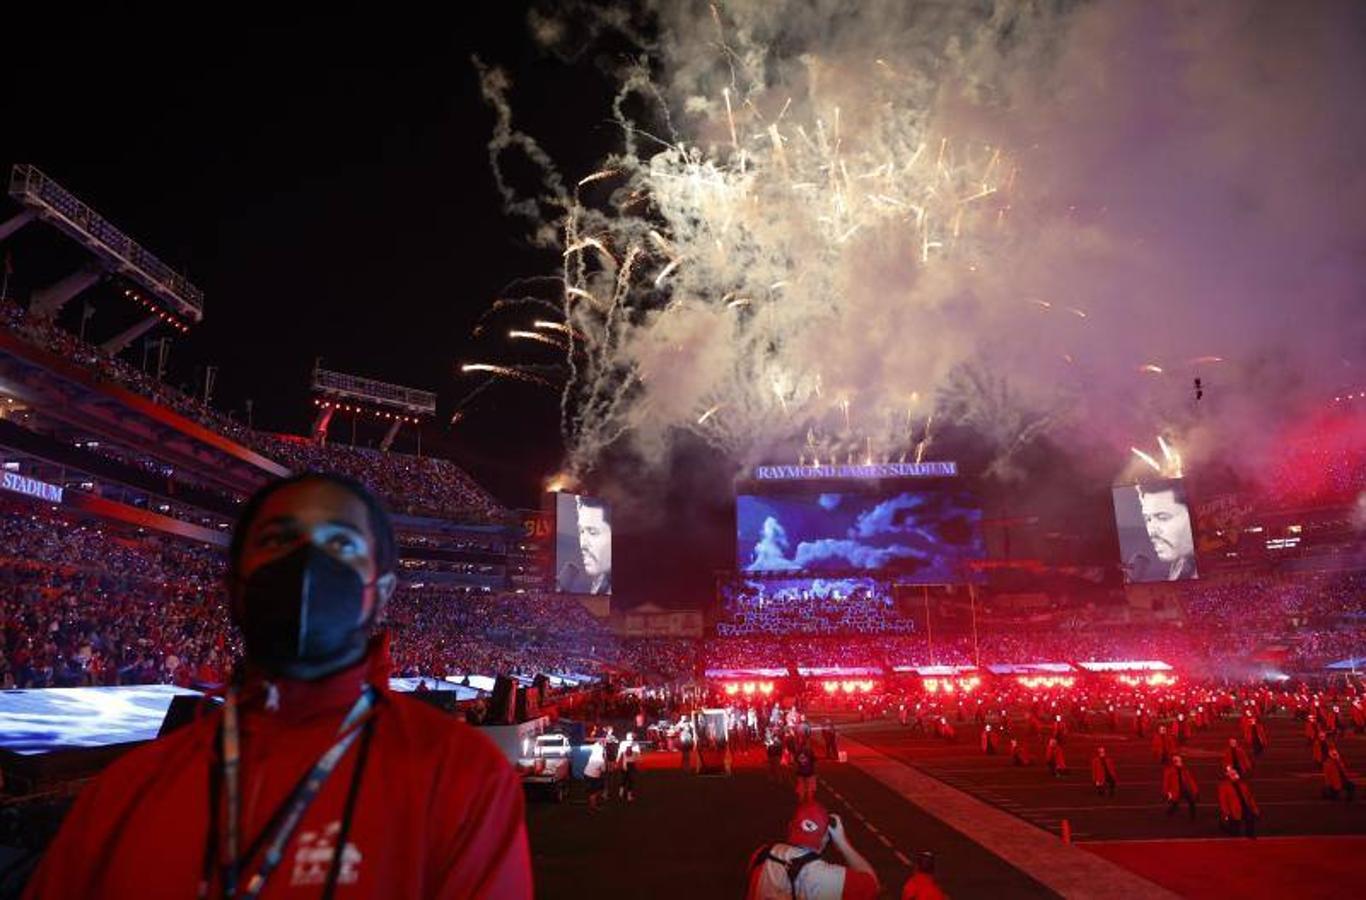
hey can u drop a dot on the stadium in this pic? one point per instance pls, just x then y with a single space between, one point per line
919 591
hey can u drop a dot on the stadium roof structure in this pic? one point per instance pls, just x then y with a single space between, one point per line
64 391
340 386
114 251
392 402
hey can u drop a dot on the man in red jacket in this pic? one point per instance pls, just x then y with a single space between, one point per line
312 778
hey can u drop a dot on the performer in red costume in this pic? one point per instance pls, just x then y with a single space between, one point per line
1103 773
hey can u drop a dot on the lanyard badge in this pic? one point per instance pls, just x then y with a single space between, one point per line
290 813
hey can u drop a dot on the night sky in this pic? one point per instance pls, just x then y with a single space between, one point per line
324 179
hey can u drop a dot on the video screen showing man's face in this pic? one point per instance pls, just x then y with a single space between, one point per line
583 545
1155 537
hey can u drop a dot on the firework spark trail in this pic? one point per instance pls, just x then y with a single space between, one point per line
1170 467
519 334
505 371
846 181
597 176
723 211
545 325
1147 459
1166 449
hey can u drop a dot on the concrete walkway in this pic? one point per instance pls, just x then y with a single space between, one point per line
1063 868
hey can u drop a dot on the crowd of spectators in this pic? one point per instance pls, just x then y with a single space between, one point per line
1287 623
84 605
415 485
80 605
850 606
1319 461
439 630
48 335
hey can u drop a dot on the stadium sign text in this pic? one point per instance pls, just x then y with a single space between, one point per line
884 470
31 487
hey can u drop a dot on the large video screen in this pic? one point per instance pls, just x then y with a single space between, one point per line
33 722
1156 542
583 545
924 537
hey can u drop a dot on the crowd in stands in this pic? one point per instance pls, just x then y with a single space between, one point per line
1320 461
440 631
1286 623
48 335
452 542
859 606
414 568
81 605
415 485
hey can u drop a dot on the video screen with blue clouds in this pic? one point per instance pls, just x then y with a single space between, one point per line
925 536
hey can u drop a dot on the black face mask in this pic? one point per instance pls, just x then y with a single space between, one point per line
301 615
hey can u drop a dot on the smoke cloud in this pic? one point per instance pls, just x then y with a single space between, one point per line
835 228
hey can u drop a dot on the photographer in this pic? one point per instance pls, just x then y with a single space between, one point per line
795 869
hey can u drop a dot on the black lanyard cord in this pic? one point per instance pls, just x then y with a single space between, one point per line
279 829
348 814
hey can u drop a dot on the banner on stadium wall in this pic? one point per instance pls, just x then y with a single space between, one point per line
1222 520
31 487
941 469
664 624
538 526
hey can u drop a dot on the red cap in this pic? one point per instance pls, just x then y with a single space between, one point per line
808 826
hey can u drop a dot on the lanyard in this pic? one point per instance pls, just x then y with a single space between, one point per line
286 819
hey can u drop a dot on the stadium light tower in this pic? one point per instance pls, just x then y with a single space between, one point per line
167 296
393 403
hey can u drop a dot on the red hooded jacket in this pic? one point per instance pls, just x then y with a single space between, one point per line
1238 755
439 811
1336 774
1100 767
1173 779
1229 807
